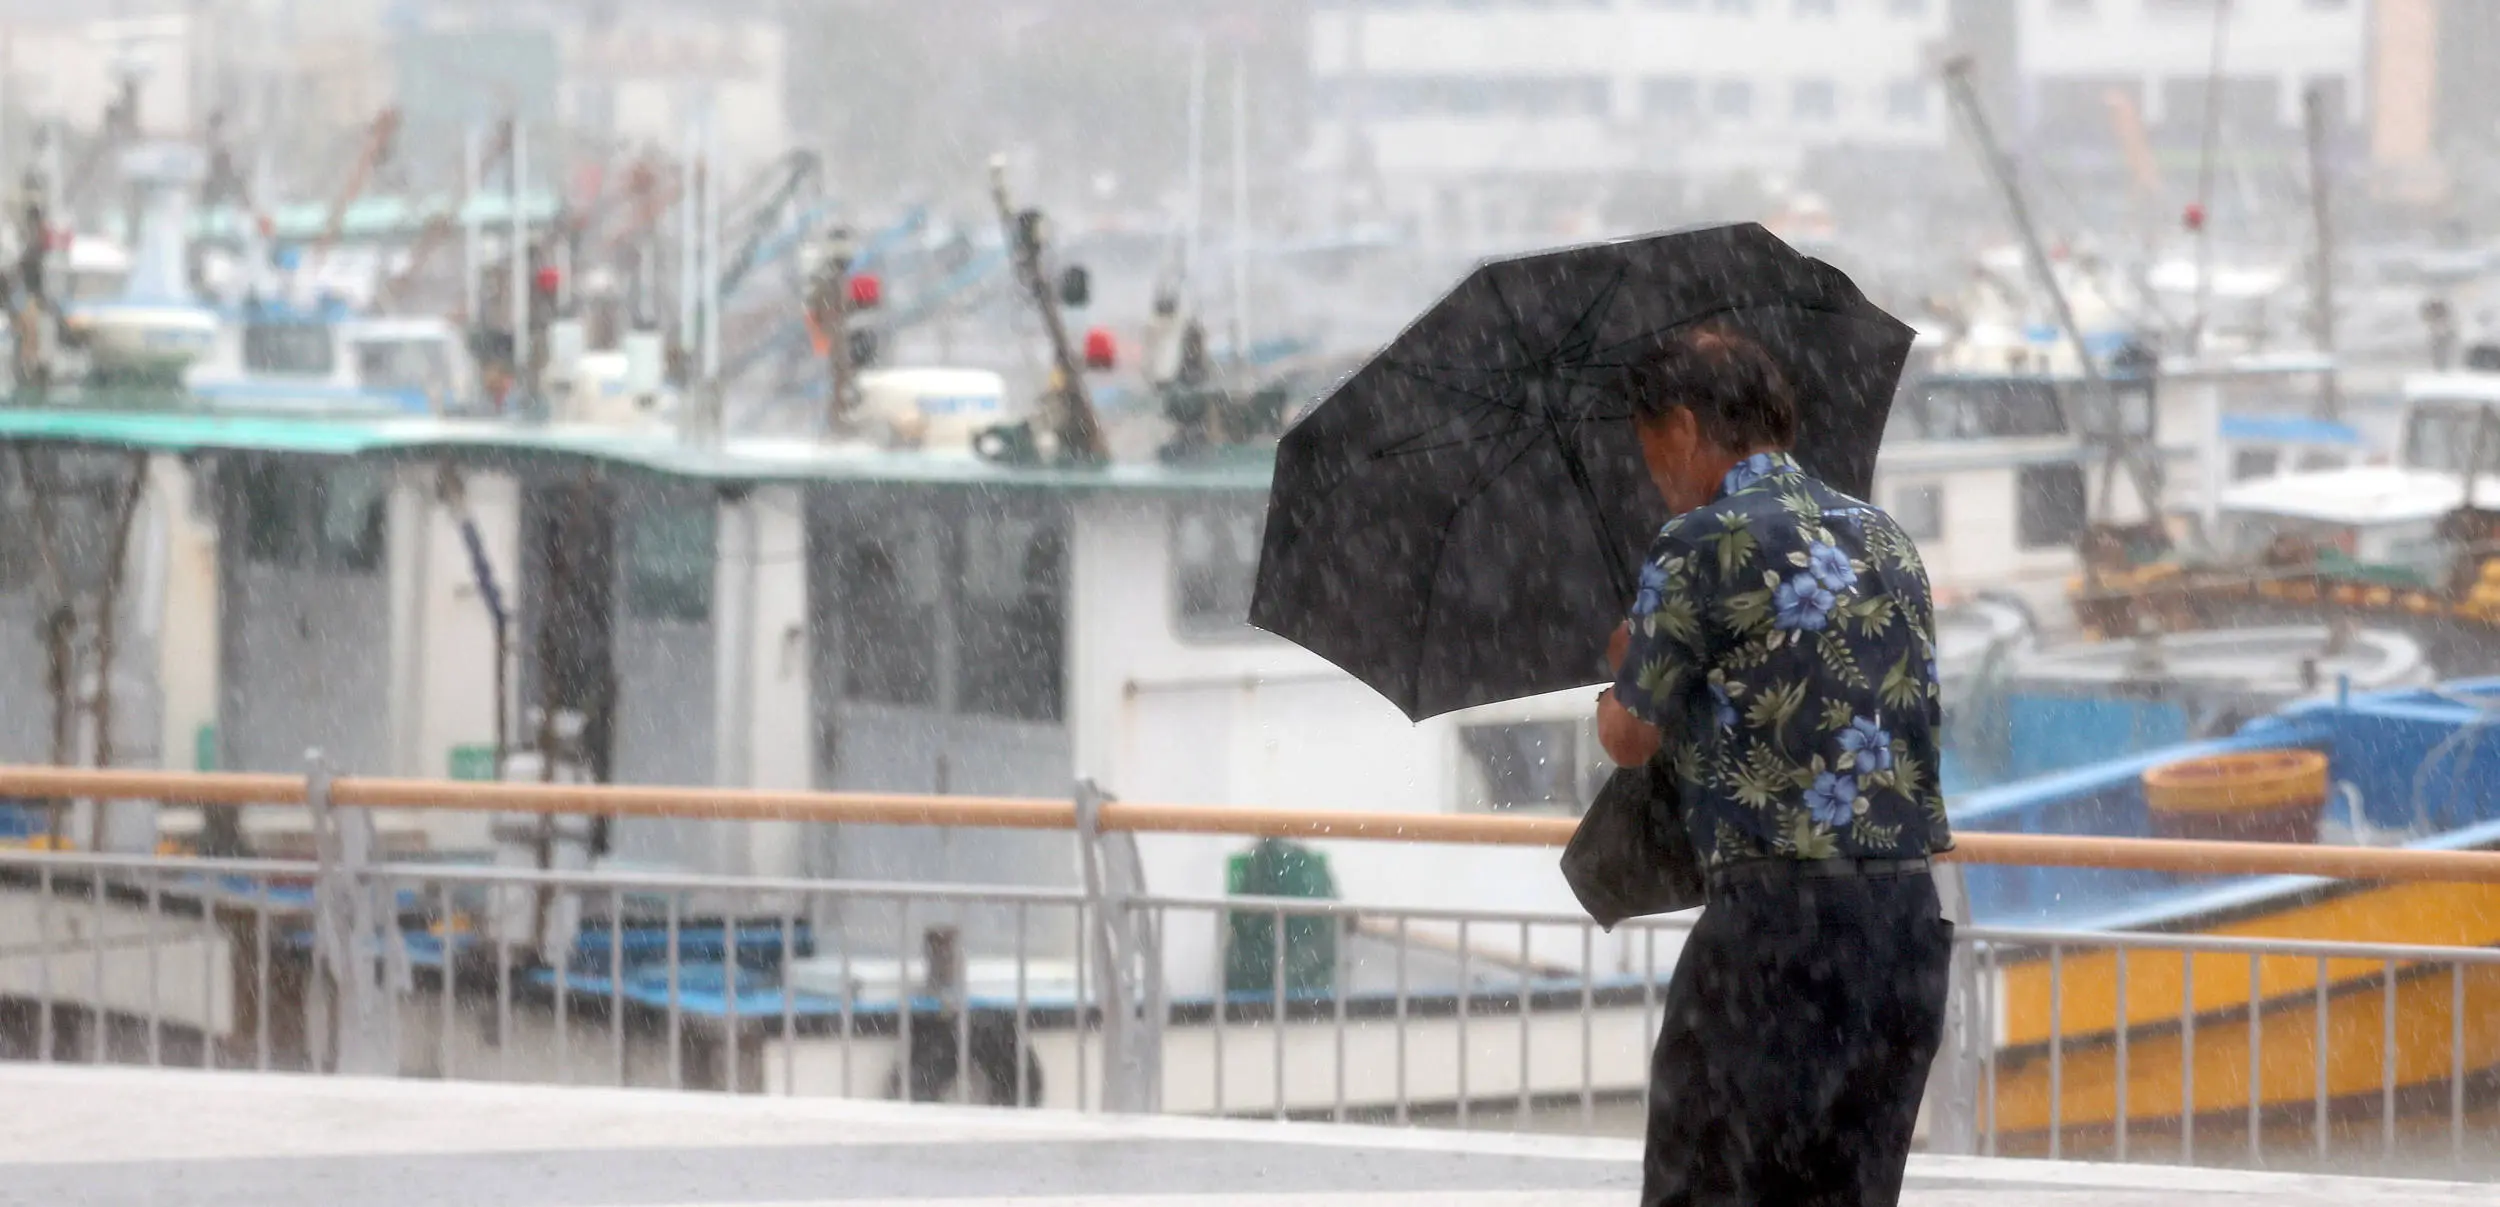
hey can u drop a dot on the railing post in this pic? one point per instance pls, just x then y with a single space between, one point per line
360 966
1127 959
1955 1081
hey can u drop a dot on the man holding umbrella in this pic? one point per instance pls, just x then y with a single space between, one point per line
1464 519
1779 659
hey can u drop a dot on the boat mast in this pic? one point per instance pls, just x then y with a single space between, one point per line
2117 444
1071 411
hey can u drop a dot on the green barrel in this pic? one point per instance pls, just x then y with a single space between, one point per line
1276 868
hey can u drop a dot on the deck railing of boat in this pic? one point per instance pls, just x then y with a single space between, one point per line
2351 1048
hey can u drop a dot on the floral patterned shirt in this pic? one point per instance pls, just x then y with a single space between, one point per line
1783 642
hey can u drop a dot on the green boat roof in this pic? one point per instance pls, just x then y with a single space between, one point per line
739 459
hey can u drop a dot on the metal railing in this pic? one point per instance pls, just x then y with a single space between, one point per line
2205 1049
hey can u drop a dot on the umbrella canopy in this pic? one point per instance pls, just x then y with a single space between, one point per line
1461 520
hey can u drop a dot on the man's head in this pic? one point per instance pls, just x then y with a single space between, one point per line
1703 399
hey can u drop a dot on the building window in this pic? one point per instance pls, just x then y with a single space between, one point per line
1671 96
1731 99
1553 765
1215 560
2049 505
1733 6
1919 510
1816 8
1906 100
669 554
1909 8
1812 100
1011 616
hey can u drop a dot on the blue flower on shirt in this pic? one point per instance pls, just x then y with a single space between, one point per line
1831 567
1833 799
1865 747
1653 588
1746 472
1801 603
1722 705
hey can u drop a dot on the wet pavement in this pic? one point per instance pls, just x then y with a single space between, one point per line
173 1139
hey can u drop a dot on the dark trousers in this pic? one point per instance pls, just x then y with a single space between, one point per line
1799 1026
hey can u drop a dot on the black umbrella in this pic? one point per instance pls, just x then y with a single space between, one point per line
1461 520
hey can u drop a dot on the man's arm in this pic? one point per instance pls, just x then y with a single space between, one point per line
1651 656
1629 740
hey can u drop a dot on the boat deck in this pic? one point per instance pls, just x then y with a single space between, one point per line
116 1136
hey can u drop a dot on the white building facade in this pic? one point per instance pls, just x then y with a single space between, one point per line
2072 54
1430 97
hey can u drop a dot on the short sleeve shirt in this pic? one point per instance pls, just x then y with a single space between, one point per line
1783 642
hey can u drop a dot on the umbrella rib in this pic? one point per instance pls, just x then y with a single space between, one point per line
1441 550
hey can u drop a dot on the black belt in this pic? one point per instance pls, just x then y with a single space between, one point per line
1773 870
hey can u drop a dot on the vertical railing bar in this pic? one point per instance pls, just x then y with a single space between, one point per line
1401 1111
1466 1003
1588 1027
2187 1057
261 974
1526 1005
1085 940
1276 1020
503 1004
97 1017
850 991
2057 1051
673 944
1338 987
1649 984
562 970
959 982
444 1060
2256 1064
2387 1070
43 964
2120 1125
1988 971
150 918
211 938
789 1001
1527 997
1024 1009
904 1000
616 980
2456 1062
1223 1000
2320 1080
732 1038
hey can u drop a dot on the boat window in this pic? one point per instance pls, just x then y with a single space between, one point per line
422 365
1514 765
1215 560
305 516
1919 510
2440 436
887 577
1011 616
2049 505
669 554
2255 463
288 349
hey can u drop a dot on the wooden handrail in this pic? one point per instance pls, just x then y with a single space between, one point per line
986 812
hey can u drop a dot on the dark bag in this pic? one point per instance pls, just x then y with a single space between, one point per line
1631 857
